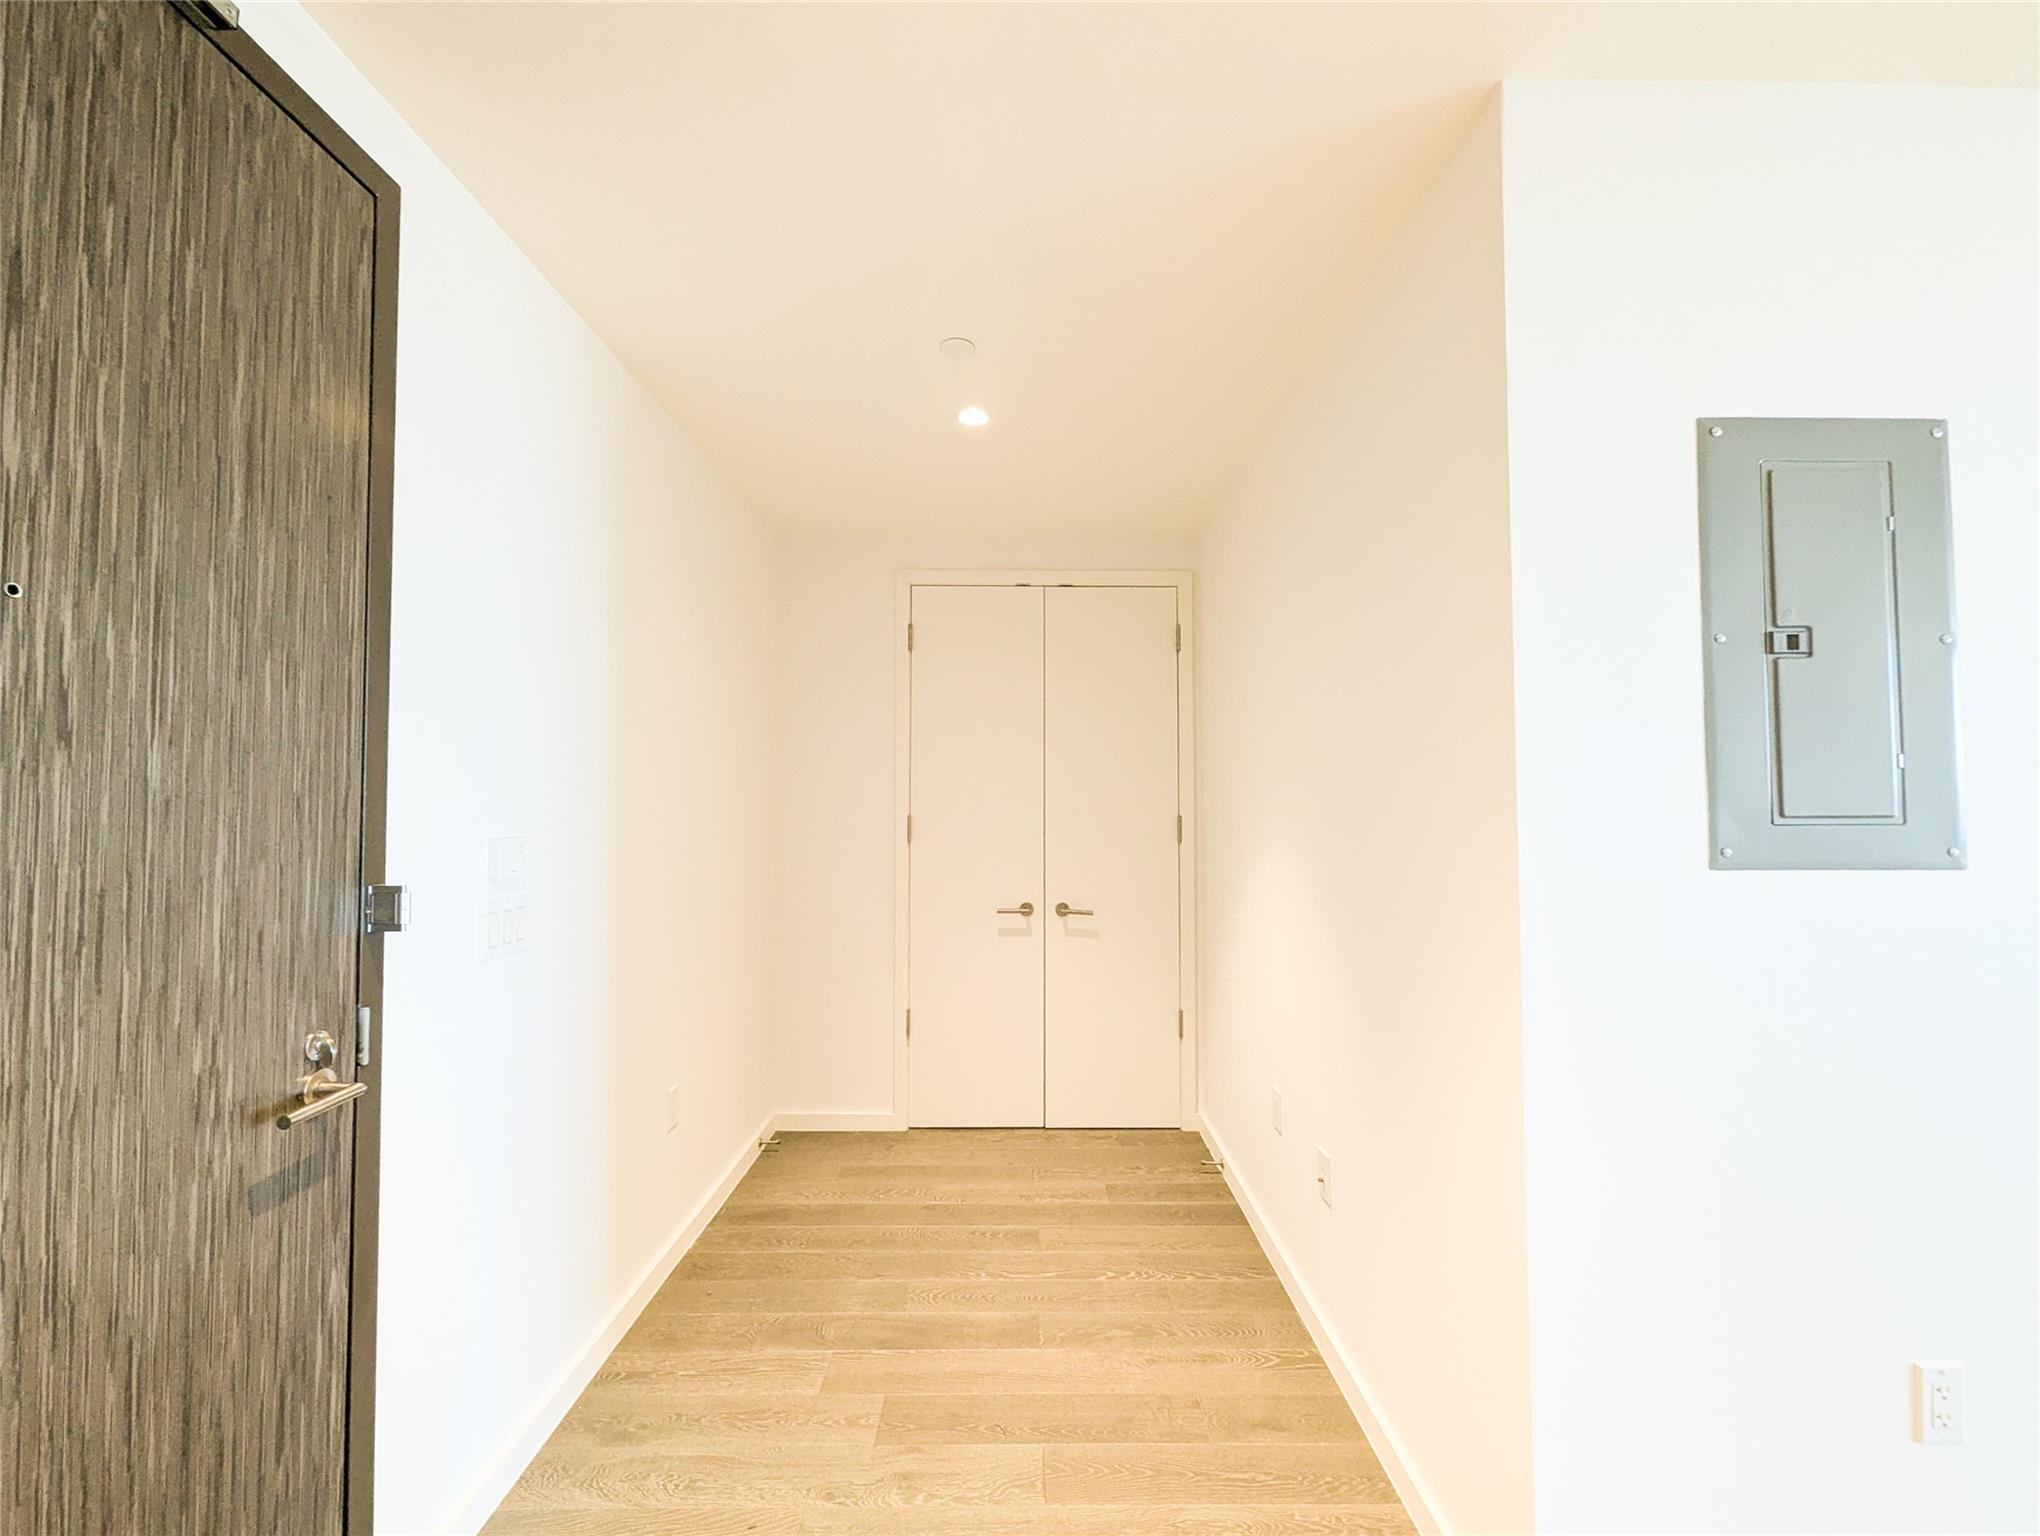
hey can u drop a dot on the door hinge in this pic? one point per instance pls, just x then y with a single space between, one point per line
385 908
910 826
910 637
1179 826
364 1021
910 1026
1179 637
1179 1023
219 15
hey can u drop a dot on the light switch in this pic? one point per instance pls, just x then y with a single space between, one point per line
506 926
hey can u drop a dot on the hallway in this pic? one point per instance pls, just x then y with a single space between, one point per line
970 1332
1068 769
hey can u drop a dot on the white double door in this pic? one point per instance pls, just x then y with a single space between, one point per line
1044 935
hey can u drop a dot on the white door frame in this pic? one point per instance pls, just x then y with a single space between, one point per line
1186 758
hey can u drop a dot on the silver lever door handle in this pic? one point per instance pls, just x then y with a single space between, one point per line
1064 909
1025 909
319 1093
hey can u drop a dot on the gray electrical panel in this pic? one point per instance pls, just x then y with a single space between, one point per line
1827 597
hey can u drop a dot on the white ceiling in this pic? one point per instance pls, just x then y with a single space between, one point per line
1147 216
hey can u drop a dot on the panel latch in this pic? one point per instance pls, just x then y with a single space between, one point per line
1792 640
385 908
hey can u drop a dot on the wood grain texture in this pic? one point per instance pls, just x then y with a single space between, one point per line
697 1520
1115 1520
184 378
828 1359
1214 1474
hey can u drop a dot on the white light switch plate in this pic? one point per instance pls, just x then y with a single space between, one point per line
1278 1111
506 926
1324 1175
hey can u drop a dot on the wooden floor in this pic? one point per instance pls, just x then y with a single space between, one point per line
965 1332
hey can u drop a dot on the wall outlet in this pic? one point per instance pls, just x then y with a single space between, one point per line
1324 1175
1278 1111
1937 1402
672 1106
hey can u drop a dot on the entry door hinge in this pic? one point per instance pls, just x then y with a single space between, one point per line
910 637
910 826
385 908
364 1021
1179 1023
1179 637
214 15
1179 826
910 1026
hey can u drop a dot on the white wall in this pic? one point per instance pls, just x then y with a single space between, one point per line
582 651
1359 914
834 1003
1781 1131
1781 1126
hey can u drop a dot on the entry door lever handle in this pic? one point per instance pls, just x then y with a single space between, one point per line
1025 909
1064 909
319 1093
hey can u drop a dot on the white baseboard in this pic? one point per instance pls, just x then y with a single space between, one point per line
479 1502
844 1120
1421 1509
876 1120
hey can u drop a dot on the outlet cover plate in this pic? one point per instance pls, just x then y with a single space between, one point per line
1937 1402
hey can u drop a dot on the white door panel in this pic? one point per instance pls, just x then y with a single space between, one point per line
1112 993
975 976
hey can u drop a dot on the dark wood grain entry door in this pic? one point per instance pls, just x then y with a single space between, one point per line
184 422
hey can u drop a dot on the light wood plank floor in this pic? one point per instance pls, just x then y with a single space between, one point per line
967 1332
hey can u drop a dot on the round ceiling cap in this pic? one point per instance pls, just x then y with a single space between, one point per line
957 346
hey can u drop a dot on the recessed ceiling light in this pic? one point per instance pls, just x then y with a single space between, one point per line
973 416
957 346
